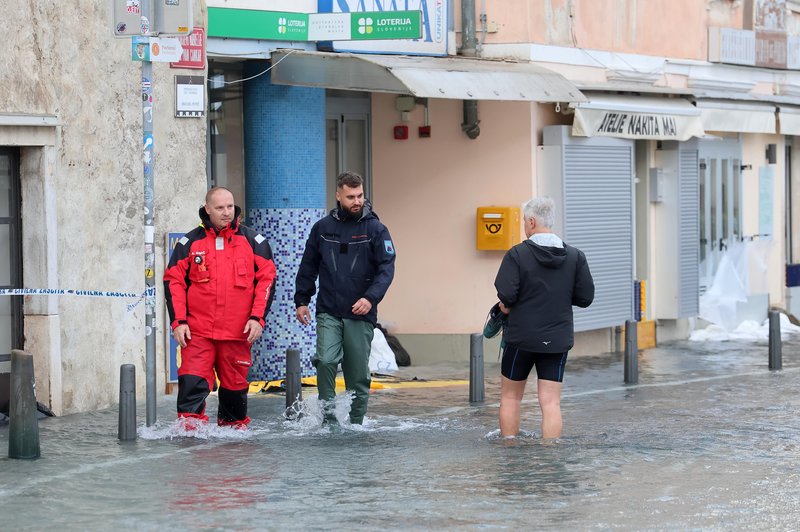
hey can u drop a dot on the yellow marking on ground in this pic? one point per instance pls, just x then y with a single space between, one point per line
377 384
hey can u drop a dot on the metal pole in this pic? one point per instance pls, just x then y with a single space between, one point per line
775 355
476 390
631 353
127 403
23 432
294 391
149 227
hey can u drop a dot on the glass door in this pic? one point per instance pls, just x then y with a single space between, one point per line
720 205
347 139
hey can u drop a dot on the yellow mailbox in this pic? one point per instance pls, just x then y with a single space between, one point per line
497 227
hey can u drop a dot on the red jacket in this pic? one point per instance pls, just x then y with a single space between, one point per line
216 281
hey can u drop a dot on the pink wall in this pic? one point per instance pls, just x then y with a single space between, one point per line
673 28
427 192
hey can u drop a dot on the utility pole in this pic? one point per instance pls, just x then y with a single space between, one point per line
149 225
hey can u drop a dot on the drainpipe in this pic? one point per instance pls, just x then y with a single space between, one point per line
469 48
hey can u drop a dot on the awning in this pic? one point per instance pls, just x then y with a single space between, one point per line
636 117
422 76
739 117
789 120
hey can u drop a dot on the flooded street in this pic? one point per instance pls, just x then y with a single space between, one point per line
709 439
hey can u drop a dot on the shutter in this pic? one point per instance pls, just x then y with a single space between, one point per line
598 220
689 233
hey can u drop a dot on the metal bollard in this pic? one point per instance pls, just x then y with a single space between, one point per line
476 390
127 402
23 433
294 390
775 355
631 353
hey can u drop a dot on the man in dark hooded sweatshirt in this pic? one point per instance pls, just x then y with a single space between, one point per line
538 282
352 253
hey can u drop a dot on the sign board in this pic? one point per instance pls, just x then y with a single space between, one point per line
157 49
194 50
190 96
434 22
173 349
167 17
288 26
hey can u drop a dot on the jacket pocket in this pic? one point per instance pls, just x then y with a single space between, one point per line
244 274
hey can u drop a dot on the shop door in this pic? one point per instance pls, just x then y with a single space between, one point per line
347 139
10 266
720 203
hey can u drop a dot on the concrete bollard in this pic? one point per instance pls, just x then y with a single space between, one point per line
631 353
476 389
775 355
127 403
294 390
23 434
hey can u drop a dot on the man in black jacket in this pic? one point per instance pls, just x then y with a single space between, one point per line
353 255
538 282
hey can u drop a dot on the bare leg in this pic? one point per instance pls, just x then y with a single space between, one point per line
510 401
550 403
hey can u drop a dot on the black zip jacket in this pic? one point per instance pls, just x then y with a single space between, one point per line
540 285
353 258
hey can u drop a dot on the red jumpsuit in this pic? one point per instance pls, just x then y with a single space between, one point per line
215 282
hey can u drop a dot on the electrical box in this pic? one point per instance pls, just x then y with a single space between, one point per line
656 185
497 228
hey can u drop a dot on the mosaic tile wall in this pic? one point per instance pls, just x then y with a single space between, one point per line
287 231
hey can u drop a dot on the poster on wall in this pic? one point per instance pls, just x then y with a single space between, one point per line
434 15
173 349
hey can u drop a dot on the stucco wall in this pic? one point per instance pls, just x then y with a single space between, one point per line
677 28
63 60
427 192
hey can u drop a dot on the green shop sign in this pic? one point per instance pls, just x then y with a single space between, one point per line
286 26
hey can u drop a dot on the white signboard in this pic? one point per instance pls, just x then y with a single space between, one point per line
158 49
190 96
434 26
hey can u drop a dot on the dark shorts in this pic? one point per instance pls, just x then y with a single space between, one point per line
517 364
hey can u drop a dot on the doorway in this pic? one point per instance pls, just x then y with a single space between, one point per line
720 203
347 139
11 333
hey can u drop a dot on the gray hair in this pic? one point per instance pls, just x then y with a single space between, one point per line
542 209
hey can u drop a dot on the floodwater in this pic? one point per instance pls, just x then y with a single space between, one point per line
709 439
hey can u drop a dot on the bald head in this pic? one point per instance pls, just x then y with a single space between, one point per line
219 207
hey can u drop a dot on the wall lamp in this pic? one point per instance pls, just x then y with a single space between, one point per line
772 153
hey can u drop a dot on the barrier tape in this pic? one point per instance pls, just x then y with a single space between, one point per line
149 292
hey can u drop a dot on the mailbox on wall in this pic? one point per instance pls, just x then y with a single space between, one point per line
497 228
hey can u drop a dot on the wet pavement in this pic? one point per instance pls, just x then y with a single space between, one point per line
709 439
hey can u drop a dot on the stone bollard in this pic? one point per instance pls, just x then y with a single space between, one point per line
631 353
23 434
294 390
127 403
775 355
476 389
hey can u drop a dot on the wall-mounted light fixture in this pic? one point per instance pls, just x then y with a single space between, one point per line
772 153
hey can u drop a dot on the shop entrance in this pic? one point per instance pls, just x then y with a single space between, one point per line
347 139
720 203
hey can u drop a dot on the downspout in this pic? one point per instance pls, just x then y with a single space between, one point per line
469 48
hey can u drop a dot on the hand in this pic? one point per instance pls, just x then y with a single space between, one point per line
182 334
361 307
303 315
504 309
253 330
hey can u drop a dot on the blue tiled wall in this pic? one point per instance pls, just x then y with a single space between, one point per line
285 188
284 130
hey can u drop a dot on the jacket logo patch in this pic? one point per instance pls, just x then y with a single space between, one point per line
547 342
388 246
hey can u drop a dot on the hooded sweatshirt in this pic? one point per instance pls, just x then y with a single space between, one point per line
540 284
353 258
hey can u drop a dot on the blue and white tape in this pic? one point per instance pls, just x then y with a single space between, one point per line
149 292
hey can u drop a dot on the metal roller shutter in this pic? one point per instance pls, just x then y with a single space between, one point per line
689 235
